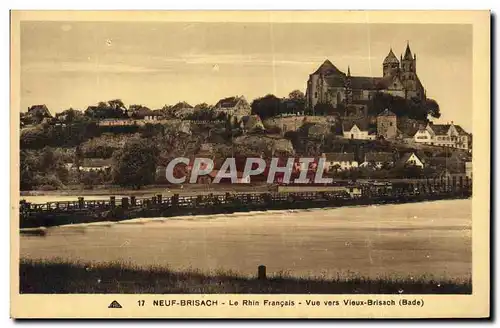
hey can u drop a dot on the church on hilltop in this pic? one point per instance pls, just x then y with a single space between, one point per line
329 85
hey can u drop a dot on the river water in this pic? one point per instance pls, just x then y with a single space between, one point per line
405 240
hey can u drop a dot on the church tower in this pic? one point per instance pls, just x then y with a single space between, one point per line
409 70
390 66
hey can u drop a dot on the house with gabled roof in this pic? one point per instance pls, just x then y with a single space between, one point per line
36 114
411 159
339 161
378 160
445 135
233 106
358 131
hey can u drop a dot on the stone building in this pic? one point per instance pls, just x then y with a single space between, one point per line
330 85
387 124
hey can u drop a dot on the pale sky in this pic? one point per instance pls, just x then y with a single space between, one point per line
77 64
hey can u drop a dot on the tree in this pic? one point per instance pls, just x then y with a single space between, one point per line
323 109
135 164
111 109
116 104
432 108
91 178
151 130
202 106
70 115
267 106
414 108
139 111
202 114
297 95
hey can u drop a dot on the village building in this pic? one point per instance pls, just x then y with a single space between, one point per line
358 131
36 114
444 135
39 110
233 106
411 159
154 115
339 161
95 164
329 85
378 160
387 125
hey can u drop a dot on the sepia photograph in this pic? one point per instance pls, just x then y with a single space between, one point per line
208 157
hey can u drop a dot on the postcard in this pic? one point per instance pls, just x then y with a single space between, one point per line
250 164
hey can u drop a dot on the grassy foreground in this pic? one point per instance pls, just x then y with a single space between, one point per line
63 277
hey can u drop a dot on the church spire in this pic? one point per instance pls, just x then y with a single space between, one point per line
348 70
408 55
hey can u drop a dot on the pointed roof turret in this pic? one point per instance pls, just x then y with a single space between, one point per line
348 71
327 68
391 58
408 55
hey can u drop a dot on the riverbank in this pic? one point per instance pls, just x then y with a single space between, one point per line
66 277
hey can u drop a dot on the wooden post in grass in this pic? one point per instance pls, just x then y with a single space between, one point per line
261 272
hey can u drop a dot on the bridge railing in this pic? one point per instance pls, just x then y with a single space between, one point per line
428 187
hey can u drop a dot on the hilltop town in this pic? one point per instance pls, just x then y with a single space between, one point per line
365 127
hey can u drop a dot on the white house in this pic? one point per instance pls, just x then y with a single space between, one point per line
446 135
411 159
340 161
354 131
